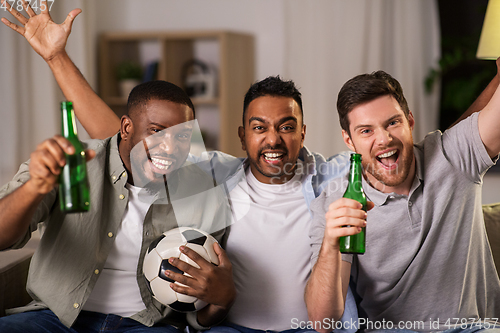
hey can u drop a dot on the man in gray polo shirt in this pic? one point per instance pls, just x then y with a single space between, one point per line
428 265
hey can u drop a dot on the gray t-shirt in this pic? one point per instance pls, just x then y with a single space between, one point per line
427 255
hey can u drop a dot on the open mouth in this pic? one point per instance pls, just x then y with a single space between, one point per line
389 159
273 157
160 164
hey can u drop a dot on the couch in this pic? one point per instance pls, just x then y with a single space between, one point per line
14 264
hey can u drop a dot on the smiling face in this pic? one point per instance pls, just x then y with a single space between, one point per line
382 134
155 140
272 137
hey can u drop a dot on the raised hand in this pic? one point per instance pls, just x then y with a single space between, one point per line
210 283
46 37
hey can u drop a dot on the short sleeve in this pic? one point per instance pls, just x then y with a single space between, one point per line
317 228
43 209
464 149
319 207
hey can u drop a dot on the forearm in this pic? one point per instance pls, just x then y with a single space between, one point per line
482 100
324 291
488 123
212 315
16 211
94 115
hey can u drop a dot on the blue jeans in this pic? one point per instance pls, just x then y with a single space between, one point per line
45 321
227 327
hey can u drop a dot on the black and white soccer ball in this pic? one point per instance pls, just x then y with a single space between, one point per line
156 263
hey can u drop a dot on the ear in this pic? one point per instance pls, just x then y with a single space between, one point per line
126 127
411 120
348 140
241 134
303 134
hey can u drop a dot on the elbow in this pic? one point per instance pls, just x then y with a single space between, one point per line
322 323
323 317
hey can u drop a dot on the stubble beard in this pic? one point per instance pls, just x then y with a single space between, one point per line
397 176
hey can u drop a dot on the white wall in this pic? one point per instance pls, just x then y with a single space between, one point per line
262 18
265 19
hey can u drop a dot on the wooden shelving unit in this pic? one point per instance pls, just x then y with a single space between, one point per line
235 73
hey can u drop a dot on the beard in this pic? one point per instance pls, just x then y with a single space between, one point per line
276 172
396 176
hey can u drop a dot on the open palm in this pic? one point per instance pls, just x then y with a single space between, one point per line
45 36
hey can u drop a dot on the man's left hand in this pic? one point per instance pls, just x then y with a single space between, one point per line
210 283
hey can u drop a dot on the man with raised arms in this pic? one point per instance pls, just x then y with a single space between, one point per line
267 249
86 272
427 258
270 190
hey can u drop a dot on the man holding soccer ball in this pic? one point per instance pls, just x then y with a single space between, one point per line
269 246
84 274
262 286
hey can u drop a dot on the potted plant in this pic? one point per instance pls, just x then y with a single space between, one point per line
129 74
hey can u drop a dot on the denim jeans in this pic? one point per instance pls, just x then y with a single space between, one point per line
45 321
227 327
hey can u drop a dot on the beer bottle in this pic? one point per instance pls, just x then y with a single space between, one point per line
74 193
355 243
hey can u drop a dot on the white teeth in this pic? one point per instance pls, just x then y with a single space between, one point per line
387 154
273 155
161 164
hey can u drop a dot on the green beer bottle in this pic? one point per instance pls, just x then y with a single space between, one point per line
74 193
355 243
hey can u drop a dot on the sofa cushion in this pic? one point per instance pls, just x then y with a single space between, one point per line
14 265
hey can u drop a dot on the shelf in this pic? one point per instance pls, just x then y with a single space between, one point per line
231 53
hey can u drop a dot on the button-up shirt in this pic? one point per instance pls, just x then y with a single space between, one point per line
74 247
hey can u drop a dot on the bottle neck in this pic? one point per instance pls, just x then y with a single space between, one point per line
68 123
356 176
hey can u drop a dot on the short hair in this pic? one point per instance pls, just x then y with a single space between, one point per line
157 90
366 88
272 86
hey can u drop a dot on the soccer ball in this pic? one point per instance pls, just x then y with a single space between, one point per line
156 263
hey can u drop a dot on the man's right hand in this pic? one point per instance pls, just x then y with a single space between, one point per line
46 163
18 207
46 37
344 218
